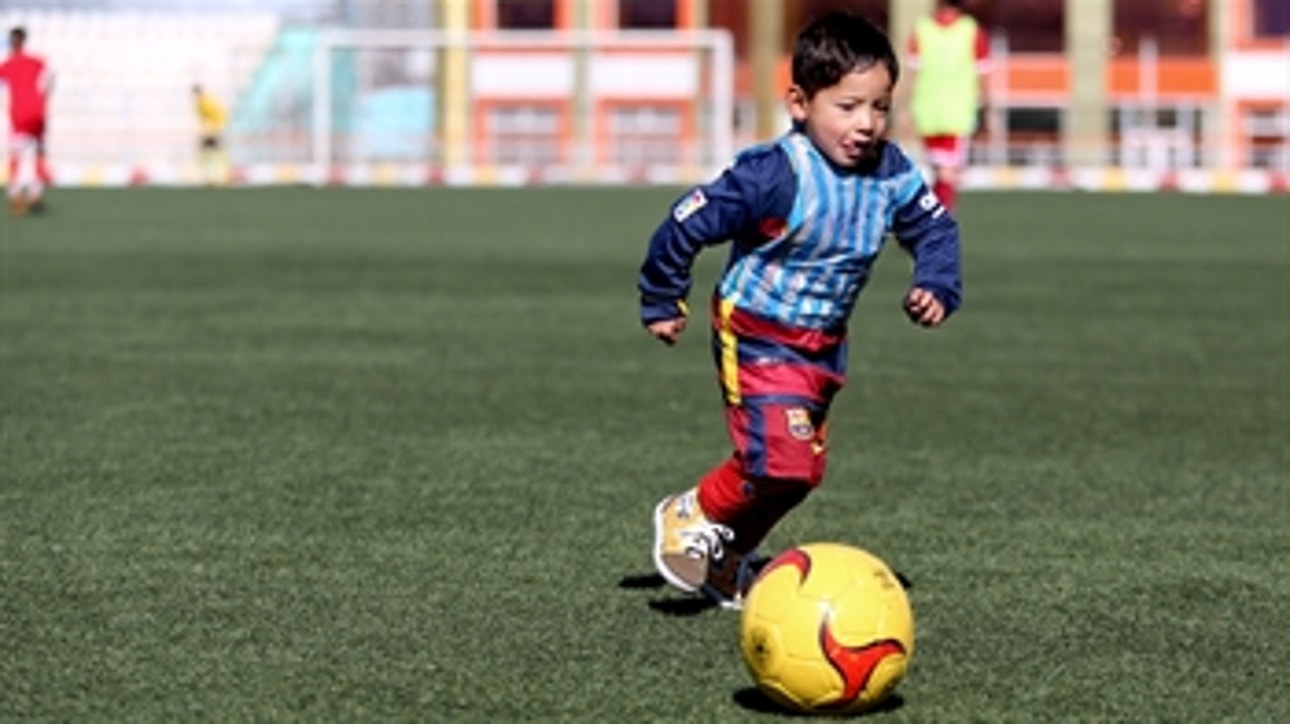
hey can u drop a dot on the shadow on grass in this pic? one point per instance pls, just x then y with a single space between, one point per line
648 580
689 606
683 606
752 699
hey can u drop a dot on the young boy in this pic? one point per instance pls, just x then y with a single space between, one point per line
807 215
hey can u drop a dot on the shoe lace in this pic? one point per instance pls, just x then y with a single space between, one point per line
708 539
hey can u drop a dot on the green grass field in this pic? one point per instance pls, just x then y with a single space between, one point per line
391 455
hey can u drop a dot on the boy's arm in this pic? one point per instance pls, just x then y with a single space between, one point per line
731 206
931 236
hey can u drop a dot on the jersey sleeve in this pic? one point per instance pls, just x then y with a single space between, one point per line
759 186
927 231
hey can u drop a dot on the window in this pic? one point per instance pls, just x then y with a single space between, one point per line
646 14
1177 27
643 135
875 11
797 16
1034 136
523 135
735 16
1158 137
1271 19
1029 26
525 14
1266 133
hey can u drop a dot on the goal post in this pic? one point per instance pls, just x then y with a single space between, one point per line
578 107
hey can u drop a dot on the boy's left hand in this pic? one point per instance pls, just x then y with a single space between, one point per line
924 308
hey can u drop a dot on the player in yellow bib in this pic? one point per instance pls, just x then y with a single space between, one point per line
211 118
949 53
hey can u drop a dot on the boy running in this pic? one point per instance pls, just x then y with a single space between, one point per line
806 215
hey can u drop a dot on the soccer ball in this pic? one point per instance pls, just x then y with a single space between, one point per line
827 628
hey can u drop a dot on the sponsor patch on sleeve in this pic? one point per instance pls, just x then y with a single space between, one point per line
686 207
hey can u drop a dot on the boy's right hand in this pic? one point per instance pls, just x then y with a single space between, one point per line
667 330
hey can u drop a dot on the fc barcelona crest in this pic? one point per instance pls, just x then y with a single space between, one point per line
799 423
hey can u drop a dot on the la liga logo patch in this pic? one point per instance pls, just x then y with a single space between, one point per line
686 207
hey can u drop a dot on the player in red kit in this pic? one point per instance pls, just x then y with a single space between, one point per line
30 83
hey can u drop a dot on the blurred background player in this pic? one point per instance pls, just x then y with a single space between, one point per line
30 84
211 118
949 56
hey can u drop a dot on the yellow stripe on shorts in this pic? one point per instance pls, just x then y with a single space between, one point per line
729 352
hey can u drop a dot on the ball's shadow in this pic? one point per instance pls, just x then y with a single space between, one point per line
749 698
752 699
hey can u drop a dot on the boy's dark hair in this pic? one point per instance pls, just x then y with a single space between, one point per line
17 34
836 44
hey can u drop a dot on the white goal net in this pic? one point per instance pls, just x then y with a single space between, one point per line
516 106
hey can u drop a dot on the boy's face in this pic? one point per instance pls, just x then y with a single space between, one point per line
848 120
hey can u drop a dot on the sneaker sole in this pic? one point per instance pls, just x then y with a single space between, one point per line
663 570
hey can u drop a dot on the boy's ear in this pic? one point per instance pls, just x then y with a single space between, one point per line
796 102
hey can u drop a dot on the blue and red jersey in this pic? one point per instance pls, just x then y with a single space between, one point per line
804 237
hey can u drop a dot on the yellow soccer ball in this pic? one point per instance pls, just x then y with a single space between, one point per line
827 628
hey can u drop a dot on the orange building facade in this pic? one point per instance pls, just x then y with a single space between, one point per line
1188 84
1118 94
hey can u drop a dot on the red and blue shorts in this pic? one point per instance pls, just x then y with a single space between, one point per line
778 382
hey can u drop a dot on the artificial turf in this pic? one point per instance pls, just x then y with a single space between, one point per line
340 454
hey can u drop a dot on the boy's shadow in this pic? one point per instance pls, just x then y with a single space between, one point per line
752 699
644 580
686 606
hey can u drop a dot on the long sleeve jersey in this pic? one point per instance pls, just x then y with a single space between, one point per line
804 234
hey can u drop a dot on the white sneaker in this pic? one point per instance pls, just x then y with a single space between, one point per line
686 543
